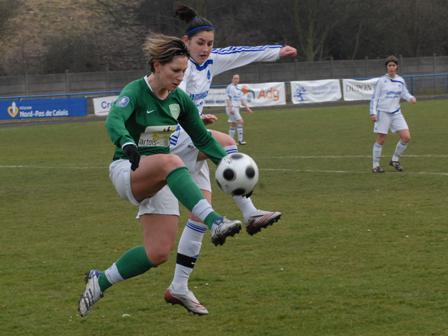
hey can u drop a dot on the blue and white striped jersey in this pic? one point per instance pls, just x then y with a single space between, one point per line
198 77
387 95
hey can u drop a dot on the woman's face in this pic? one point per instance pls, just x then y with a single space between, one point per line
200 45
392 68
169 75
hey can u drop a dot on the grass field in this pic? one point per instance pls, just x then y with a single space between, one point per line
354 254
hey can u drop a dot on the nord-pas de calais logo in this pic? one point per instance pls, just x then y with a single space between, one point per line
13 110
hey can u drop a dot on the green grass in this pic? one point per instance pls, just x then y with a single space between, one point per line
354 254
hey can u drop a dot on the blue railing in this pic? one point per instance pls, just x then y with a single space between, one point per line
66 94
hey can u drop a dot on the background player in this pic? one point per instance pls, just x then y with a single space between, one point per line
385 112
235 99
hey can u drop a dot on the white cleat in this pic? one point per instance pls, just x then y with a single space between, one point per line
186 300
223 228
91 294
261 219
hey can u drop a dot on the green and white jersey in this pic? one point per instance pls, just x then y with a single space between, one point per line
139 117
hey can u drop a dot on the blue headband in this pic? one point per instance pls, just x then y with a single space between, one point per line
195 29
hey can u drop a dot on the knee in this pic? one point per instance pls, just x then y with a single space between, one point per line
223 138
171 162
406 138
227 141
158 256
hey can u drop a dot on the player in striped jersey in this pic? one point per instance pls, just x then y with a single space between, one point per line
385 112
206 62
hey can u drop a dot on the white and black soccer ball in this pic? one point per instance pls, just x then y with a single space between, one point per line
237 174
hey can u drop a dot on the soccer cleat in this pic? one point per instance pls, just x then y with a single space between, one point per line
91 294
242 142
378 169
186 300
260 220
396 165
223 228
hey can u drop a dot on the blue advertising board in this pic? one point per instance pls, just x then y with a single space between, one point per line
42 108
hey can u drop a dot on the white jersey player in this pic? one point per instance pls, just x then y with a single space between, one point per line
197 81
206 62
235 98
386 113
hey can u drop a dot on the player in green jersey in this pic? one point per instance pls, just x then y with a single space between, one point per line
144 172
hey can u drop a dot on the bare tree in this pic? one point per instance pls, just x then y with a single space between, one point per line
8 8
95 35
313 22
423 25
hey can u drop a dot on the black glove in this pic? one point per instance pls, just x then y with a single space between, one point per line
133 156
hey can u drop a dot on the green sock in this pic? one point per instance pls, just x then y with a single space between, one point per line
184 188
103 282
211 218
132 263
187 192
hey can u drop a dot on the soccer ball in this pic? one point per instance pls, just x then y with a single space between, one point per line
237 174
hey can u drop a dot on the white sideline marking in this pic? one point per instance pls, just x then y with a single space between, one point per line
440 156
367 171
319 171
50 167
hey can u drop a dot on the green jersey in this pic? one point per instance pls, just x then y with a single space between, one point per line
139 117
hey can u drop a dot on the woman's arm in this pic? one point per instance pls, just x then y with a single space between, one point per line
225 59
120 111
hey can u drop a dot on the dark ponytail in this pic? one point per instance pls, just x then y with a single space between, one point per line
195 23
185 13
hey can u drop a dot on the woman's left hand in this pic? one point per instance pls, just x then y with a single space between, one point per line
288 51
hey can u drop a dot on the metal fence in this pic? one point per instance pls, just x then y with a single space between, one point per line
424 75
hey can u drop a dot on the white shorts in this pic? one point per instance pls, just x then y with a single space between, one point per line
162 203
182 146
389 121
236 116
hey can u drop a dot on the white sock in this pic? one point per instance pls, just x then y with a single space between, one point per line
401 147
376 154
187 253
112 274
190 242
245 205
240 132
202 209
231 149
232 132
